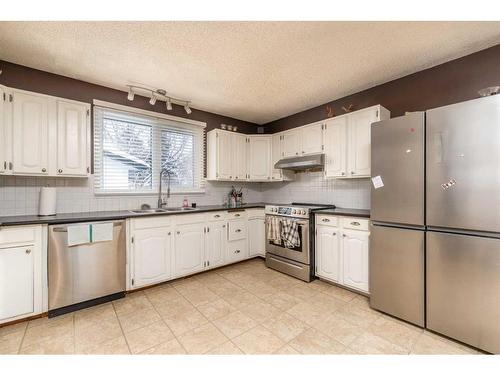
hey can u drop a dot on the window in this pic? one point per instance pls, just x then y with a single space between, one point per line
131 149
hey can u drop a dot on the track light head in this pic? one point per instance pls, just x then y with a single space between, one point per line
152 101
187 109
131 94
169 104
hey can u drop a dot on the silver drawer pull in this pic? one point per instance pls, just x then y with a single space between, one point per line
28 251
237 251
237 215
238 230
356 223
325 220
216 215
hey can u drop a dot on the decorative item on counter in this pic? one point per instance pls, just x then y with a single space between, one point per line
329 111
348 109
48 201
223 126
185 203
492 90
235 198
230 128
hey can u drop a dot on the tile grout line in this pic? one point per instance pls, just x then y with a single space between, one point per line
121 328
22 339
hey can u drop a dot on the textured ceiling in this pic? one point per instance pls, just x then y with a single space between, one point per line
254 71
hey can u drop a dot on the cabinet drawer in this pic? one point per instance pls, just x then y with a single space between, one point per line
189 218
151 222
216 216
354 223
16 235
237 230
237 214
329 220
236 251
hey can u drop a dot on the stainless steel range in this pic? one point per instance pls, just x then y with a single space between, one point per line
297 260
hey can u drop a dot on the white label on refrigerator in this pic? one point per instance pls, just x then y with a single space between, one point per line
377 182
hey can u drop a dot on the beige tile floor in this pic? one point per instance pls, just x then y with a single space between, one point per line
244 308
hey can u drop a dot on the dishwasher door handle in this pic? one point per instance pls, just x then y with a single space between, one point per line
65 229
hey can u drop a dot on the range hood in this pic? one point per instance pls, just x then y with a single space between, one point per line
301 163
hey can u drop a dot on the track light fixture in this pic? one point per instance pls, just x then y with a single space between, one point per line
158 94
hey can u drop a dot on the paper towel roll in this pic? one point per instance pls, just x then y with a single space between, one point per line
48 201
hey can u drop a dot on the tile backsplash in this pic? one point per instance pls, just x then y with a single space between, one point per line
19 195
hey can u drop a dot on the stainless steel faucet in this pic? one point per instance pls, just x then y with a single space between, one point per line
161 202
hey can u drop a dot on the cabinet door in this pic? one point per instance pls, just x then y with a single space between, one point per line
335 139
152 256
215 243
256 237
3 109
16 282
275 156
72 147
359 149
328 253
30 133
259 158
239 157
291 143
188 249
236 251
312 139
355 259
224 156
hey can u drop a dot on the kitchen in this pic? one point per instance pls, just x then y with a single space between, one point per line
133 221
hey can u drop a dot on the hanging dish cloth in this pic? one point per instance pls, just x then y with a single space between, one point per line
273 230
290 233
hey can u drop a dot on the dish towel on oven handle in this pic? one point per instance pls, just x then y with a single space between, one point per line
290 233
273 230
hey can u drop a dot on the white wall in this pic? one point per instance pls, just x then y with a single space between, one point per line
19 195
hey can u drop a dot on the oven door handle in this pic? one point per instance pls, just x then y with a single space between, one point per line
288 264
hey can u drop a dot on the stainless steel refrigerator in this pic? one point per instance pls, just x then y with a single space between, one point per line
447 265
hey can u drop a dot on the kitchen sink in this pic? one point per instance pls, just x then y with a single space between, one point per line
179 209
158 210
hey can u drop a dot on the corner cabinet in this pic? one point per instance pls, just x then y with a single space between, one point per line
348 143
43 135
342 252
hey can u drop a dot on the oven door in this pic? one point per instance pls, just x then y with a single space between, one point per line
300 253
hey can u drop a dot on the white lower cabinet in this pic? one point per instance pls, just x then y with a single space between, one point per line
256 237
23 265
215 244
355 259
342 253
236 251
152 256
189 249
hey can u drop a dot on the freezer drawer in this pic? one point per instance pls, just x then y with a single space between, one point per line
398 159
463 288
397 272
463 165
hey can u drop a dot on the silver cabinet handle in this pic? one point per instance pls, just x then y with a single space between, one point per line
236 215
334 234
236 177
178 232
224 226
44 170
355 223
325 220
344 235
11 165
169 233
237 251
216 215
5 165
28 251
352 172
343 173
59 170
238 230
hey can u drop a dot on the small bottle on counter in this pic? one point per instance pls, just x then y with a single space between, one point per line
185 202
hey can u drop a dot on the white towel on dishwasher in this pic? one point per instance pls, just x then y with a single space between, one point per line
78 234
102 232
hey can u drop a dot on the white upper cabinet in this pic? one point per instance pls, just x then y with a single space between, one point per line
151 254
335 147
43 135
239 156
215 243
3 152
72 143
276 156
328 252
259 158
30 131
291 143
219 155
189 249
359 141
16 282
312 139
355 254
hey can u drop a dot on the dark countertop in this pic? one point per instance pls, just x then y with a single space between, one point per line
355 212
76 217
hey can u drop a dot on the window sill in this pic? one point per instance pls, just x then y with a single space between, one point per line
145 194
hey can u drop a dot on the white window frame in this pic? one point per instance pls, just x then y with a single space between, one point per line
152 117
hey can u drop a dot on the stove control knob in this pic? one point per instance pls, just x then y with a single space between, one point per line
303 212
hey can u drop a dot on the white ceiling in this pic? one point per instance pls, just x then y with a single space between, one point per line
254 71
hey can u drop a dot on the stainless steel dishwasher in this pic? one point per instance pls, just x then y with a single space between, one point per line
87 274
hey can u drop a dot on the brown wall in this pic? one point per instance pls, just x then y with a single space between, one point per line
22 77
444 84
